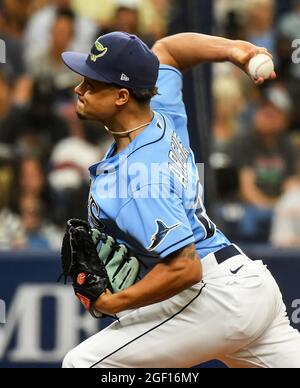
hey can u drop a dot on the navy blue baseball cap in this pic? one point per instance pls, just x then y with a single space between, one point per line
117 58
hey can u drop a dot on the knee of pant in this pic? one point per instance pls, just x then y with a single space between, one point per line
71 359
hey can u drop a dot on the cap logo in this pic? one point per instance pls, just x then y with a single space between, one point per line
124 77
98 48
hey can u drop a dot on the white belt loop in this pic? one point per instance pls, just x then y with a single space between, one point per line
209 264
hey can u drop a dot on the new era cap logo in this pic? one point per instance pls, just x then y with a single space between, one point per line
98 51
124 78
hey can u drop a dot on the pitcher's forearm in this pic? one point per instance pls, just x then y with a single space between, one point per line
190 49
186 50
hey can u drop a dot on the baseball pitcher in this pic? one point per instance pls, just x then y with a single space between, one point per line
181 293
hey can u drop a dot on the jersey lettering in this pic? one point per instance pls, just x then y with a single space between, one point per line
179 157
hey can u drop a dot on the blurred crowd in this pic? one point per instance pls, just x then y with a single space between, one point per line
45 151
256 146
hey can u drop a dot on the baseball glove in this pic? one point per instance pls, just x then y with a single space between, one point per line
122 268
80 261
95 262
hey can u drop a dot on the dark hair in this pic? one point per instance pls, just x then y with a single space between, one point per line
143 96
65 12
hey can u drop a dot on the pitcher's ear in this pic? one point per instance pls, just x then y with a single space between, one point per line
122 97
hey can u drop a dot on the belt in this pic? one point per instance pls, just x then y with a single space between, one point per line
230 254
226 253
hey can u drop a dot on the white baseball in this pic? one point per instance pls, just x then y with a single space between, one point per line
261 66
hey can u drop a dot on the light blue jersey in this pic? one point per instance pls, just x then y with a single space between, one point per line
149 196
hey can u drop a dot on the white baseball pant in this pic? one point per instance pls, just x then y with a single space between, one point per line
237 317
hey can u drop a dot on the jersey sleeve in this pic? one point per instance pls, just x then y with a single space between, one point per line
169 101
159 224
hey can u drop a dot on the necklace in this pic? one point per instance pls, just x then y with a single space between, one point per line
126 132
